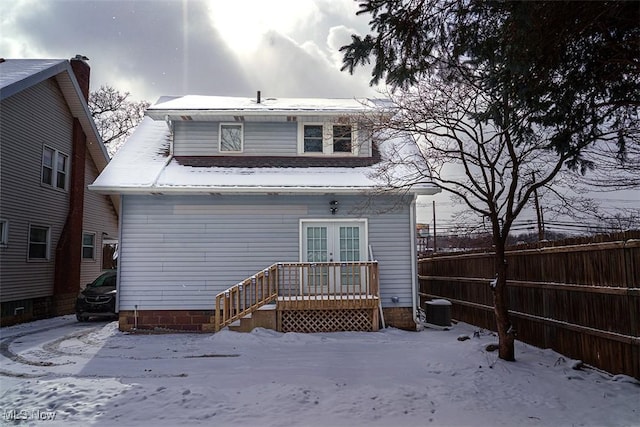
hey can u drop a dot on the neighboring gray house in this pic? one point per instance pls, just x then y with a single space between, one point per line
52 231
232 203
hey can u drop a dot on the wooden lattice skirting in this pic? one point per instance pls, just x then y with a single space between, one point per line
309 321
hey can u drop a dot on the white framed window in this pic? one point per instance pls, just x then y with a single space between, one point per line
230 138
89 246
55 168
342 139
39 242
4 232
312 138
327 138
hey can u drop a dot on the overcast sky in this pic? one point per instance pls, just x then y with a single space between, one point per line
152 48
285 48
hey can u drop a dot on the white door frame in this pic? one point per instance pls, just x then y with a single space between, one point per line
311 221
334 255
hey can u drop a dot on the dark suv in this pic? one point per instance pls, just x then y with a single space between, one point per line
98 299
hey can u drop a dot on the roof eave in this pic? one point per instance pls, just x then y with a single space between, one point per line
178 114
79 108
251 190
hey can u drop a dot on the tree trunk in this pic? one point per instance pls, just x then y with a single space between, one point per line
506 333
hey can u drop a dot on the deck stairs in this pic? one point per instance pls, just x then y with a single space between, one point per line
302 297
263 317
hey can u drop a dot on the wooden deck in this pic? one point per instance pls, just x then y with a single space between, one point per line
308 296
327 302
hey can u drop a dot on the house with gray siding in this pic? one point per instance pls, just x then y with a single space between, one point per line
231 205
52 231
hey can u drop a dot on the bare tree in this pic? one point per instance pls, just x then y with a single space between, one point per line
508 92
115 115
483 159
612 170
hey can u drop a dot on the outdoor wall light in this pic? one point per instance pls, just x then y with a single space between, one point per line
395 299
333 207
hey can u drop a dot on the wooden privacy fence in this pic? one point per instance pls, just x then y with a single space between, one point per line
580 300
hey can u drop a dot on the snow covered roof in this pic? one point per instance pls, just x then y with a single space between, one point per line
199 105
144 165
17 75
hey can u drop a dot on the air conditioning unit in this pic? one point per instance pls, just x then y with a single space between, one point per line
438 312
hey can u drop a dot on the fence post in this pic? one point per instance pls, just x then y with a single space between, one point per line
629 279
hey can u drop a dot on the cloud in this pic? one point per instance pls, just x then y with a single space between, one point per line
338 36
283 68
147 48
167 47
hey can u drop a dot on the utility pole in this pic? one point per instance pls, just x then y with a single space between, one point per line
538 211
435 247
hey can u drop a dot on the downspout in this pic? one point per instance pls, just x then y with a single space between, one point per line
119 251
414 260
169 123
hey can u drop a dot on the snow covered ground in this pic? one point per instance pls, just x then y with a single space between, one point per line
93 375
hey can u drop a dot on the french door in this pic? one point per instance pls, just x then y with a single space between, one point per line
333 242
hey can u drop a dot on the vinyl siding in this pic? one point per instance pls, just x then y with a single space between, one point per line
99 217
29 120
260 138
195 138
201 138
178 252
273 139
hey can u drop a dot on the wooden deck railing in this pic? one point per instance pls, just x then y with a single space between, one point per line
246 297
300 285
320 285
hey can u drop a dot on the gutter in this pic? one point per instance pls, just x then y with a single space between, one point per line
231 189
174 114
414 260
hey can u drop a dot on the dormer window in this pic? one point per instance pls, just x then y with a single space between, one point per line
342 139
313 138
231 138
327 138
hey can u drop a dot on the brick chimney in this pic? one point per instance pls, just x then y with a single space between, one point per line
68 259
82 71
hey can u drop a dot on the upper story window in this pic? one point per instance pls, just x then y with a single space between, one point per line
55 168
313 138
342 139
38 242
327 138
231 138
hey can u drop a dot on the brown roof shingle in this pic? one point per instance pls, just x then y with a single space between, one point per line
277 161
